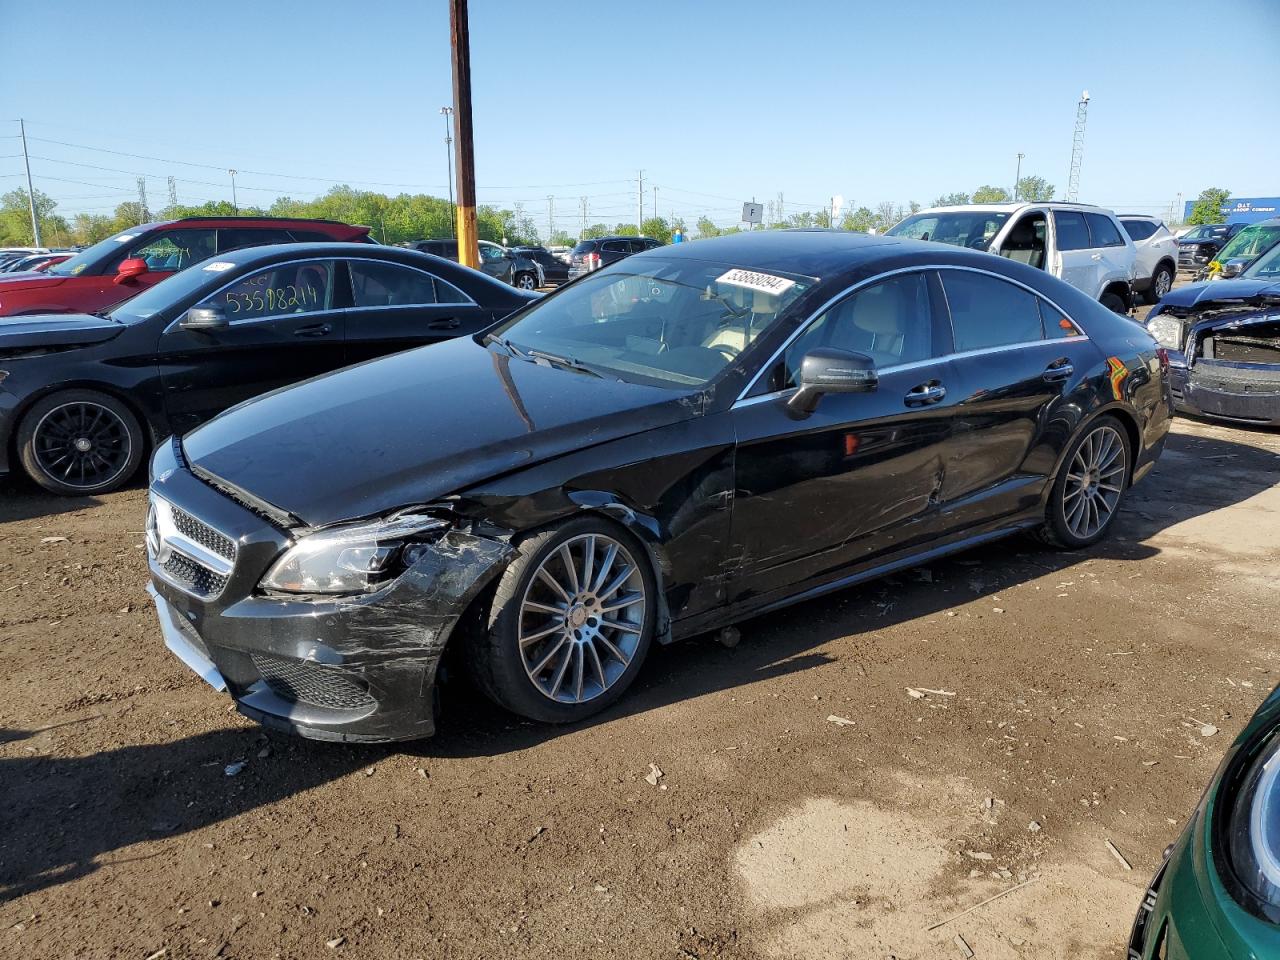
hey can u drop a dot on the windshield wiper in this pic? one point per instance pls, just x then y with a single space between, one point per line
569 363
503 341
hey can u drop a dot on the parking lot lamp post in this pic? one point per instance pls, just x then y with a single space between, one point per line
447 112
234 205
1017 178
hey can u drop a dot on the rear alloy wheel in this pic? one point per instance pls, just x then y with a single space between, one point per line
1089 487
1161 283
571 621
80 442
526 281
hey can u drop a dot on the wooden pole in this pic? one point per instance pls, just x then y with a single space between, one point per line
464 158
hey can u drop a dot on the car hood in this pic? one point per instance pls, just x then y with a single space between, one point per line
1216 292
55 330
414 427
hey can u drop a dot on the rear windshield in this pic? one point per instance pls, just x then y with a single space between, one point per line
585 246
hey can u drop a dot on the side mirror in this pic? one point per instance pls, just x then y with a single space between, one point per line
1231 269
204 318
130 268
828 370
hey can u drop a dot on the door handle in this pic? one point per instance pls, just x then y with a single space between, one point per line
925 394
448 323
315 330
1058 371
1096 256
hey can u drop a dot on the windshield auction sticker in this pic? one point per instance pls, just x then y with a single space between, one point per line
218 266
754 280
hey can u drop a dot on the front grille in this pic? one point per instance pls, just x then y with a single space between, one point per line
304 682
203 534
193 577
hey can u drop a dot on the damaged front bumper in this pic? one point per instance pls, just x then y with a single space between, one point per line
1218 390
353 668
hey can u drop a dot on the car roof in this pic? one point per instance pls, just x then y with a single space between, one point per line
813 253
235 221
1012 206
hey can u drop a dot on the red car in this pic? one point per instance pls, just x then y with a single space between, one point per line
117 268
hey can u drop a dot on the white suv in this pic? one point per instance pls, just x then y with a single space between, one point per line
1157 255
1081 244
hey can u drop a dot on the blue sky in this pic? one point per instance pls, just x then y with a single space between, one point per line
717 102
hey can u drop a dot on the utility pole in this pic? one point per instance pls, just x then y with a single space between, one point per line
447 112
1077 148
655 203
1017 177
640 208
143 213
551 216
31 194
235 205
460 39
173 191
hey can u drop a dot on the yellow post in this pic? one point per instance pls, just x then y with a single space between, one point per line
468 248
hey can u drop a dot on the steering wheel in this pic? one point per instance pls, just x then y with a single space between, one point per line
978 243
730 352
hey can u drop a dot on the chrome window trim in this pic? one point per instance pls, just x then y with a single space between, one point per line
742 398
468 302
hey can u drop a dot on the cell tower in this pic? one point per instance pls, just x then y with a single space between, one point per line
173 191
1077 148
143 212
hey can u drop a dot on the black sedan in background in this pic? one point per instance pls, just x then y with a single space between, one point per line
83 397
694 435
1198 247
554 270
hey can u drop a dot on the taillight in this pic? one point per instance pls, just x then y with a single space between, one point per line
1163 355
593 261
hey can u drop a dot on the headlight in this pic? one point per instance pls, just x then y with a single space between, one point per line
351 559
1167 330
1253 829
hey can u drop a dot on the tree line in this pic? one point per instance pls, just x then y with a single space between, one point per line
416 216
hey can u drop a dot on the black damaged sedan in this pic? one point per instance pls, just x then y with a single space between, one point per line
693 436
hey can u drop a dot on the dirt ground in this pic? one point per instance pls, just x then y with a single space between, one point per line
1069 698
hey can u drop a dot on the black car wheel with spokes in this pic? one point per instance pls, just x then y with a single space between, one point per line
80 442
570 622
1090 485
526 281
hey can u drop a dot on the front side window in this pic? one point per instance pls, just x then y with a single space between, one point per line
1103 230
675 323
375 283
491 253
989 312
1266 267
965 228
891 322
286 288
172 249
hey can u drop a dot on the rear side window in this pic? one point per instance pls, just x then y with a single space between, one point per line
616 246
1056 325
1103 231
1138 229
375 283
310 236
1072 233
989 312
240 237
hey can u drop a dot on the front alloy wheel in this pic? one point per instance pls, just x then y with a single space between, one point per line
526 281
570 622
80 442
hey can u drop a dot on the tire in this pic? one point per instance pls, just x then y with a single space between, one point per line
1114 303
1161 283
525 281
556 678
1103 443
80 442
